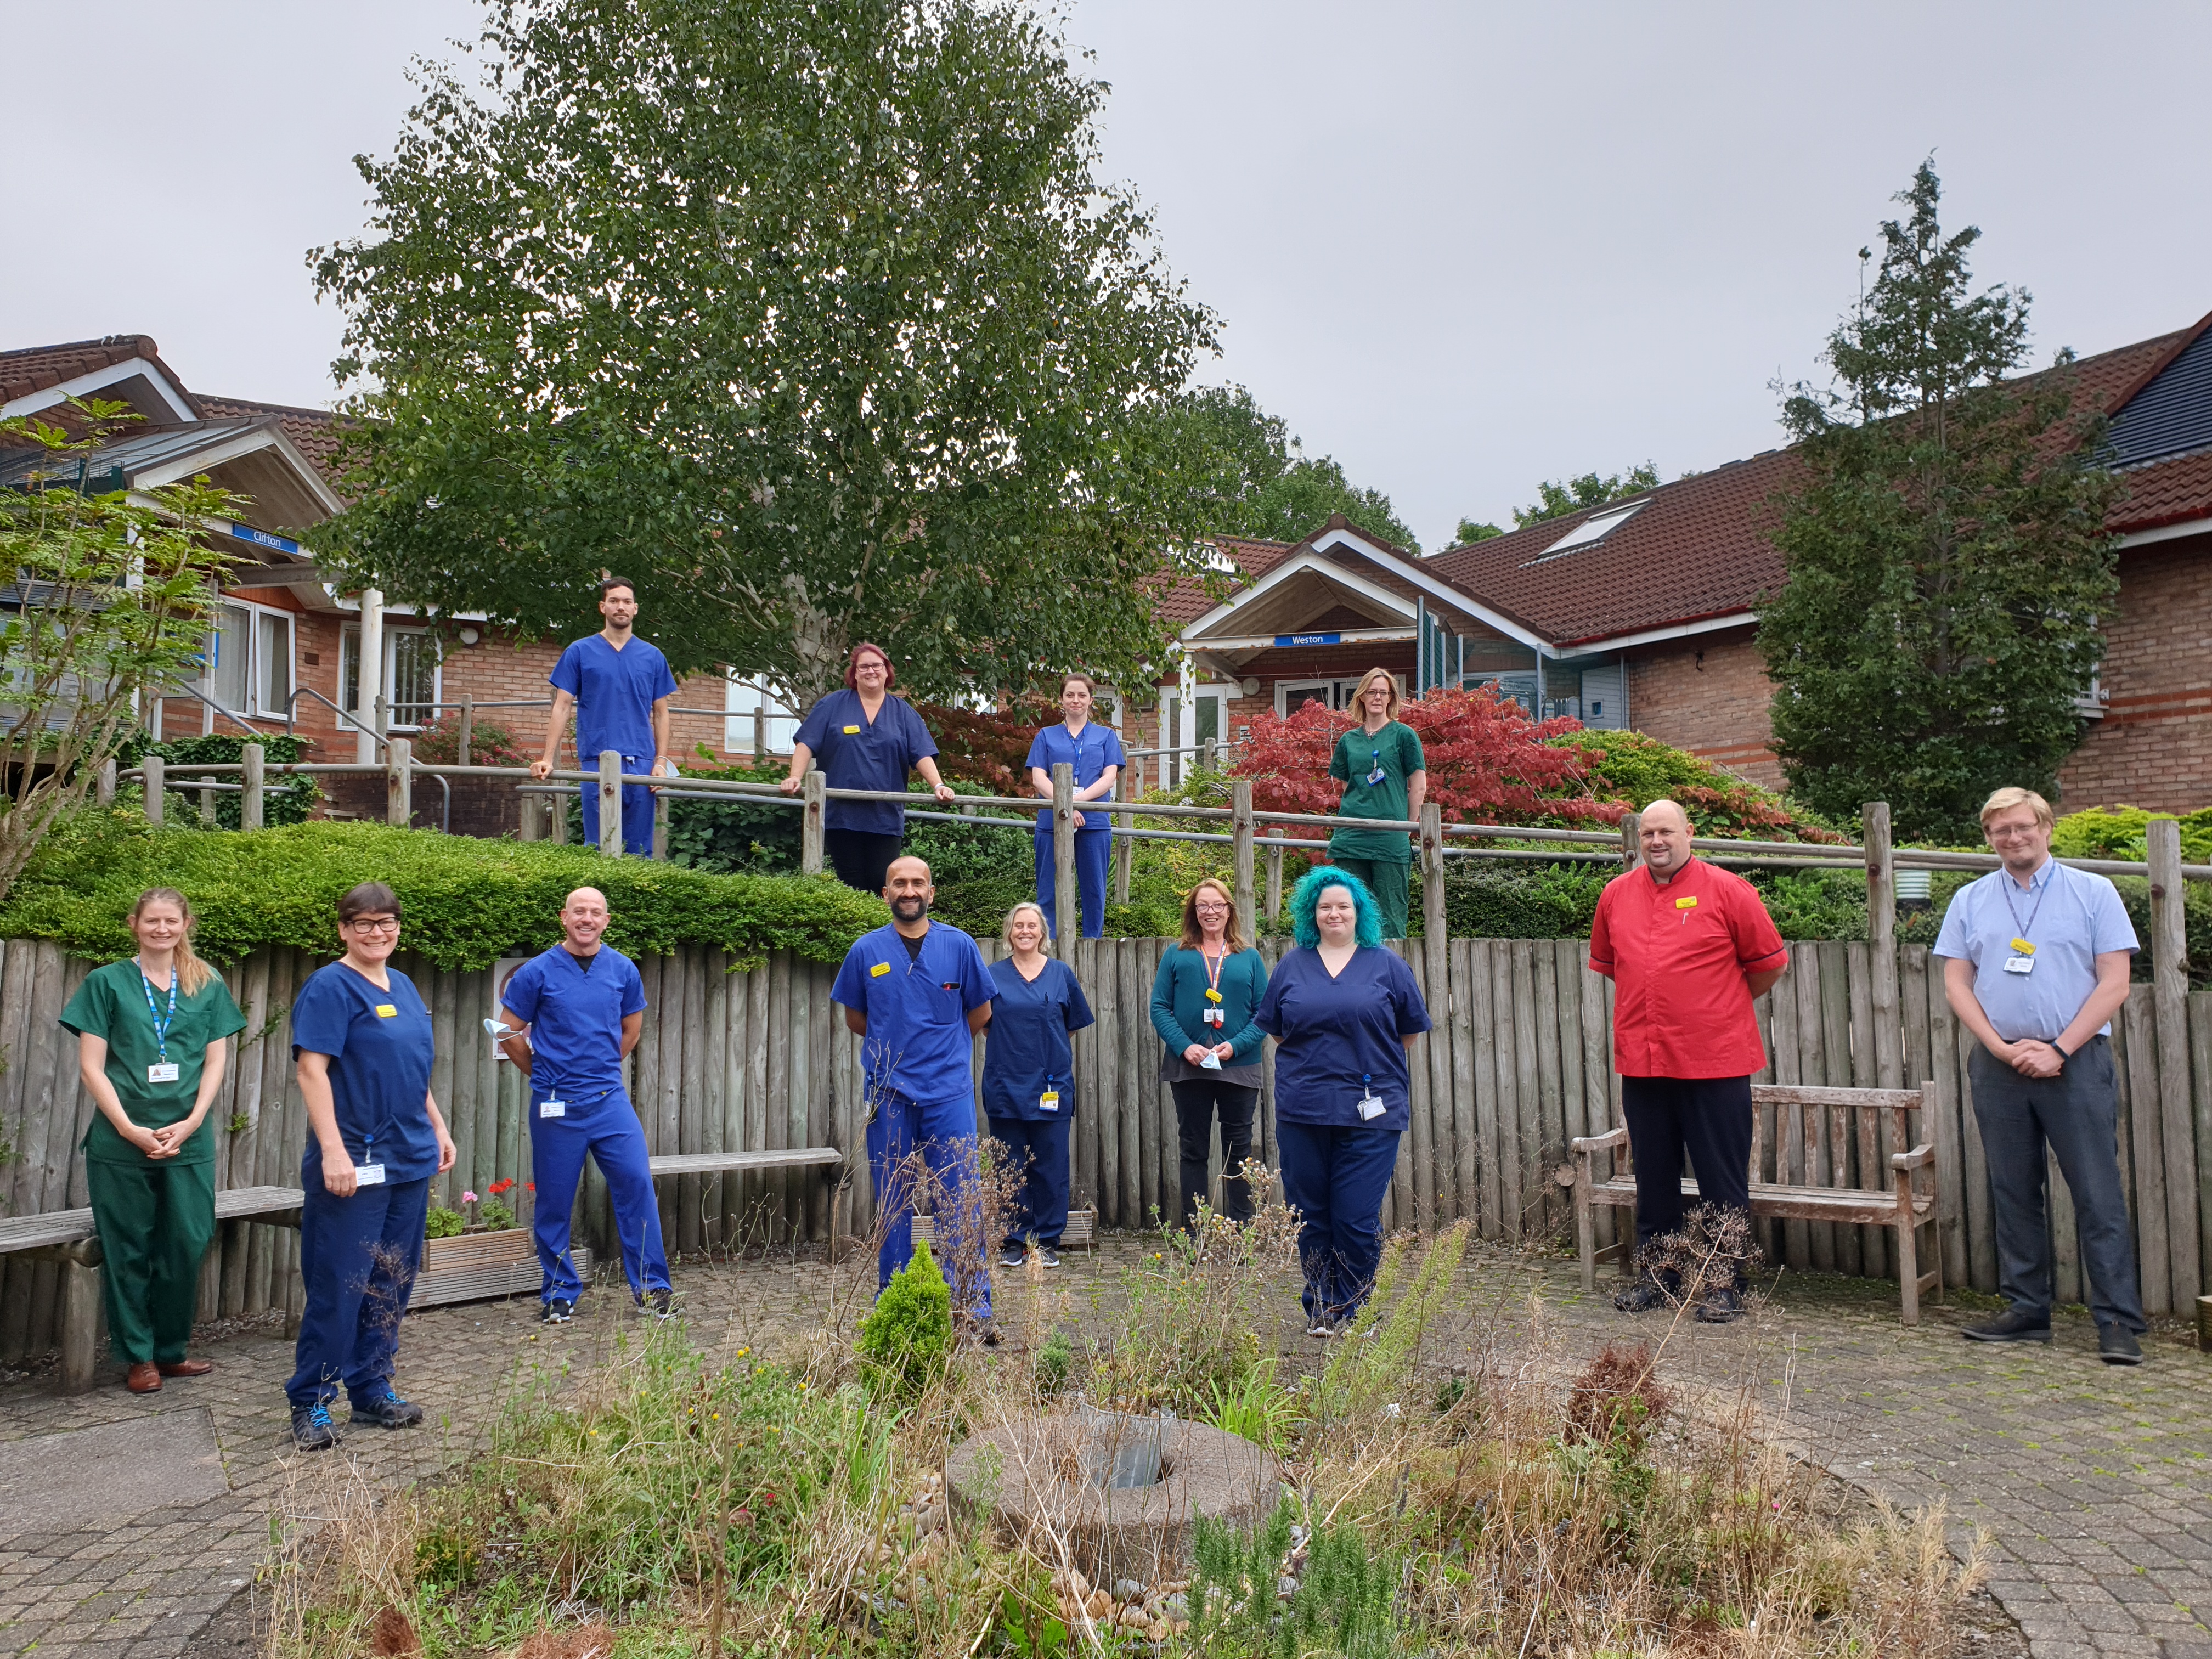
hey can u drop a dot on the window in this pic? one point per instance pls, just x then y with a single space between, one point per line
740 698
249 662
410 682
1590 532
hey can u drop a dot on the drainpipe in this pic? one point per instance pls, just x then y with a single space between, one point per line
368 681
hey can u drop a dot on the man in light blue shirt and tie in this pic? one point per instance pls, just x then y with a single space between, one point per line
2036 962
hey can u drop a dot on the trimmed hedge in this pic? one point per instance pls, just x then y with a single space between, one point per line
466 902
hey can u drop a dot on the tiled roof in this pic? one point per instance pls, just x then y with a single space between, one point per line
1186 600
313 432
1699 549
34 368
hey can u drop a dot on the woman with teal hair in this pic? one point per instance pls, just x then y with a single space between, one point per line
1343 1012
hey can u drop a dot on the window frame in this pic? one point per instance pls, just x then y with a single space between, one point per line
257 668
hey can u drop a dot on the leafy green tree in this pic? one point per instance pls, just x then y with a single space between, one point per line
1945 555
110 601
1247 474
1556 501
1470 532
815 320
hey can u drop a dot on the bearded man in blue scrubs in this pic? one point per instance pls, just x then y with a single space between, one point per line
915 994
574 1013
1094 753
619 686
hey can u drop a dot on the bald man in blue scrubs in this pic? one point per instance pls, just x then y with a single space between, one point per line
915 992
574 1013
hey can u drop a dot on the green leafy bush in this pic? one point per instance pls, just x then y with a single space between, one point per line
466 902
905 1341
288 801
1522 900
442 1223
2118 832
1630 767
1345 1602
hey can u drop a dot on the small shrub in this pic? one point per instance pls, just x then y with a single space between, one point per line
1617 1399
442 1223
439 743
906 1339
1055 1361
1278 1592
1258 1408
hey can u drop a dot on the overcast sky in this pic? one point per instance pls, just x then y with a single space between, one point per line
1463 247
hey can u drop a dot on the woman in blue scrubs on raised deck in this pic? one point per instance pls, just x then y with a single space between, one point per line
1029 1089
864 738
362 1045
1094 753
1343 1012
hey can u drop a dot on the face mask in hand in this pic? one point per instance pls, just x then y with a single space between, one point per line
1211 1063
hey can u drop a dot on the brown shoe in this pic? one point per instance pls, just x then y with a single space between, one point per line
145 1377
187 1368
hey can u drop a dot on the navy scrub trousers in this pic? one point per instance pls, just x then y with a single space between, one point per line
607 1127
637 809
1038 1149
358 1258
1094 852
1335 1178
1709 1117
944 1132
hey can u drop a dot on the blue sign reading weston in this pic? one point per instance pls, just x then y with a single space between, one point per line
1309 639
247 533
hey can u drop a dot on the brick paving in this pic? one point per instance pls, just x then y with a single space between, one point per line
2094 1485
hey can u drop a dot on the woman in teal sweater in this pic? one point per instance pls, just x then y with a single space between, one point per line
1203 999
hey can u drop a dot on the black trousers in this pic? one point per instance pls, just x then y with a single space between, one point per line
1196 1101
861 857
1708 1117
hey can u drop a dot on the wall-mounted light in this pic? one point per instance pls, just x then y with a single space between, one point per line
1248 687
470 635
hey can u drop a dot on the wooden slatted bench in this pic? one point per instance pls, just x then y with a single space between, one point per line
1910 1203
67 1236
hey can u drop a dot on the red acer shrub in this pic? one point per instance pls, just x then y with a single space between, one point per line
987 749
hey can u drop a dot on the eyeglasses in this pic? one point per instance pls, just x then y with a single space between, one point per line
1210 904
374 924
2011 831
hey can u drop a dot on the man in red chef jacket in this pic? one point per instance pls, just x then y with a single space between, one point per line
1688 948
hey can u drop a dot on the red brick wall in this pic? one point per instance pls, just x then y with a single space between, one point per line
1707 694
2154 747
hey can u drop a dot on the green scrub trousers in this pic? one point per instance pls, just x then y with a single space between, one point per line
155 1221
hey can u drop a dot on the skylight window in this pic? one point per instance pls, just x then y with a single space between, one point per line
1590 532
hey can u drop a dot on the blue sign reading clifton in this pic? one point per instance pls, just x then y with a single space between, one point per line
1309 639
247 533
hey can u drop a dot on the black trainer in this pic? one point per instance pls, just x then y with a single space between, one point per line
1642 1296
1013 1256
1048 1256
559 1311
311 1429
388 1412
660 1304
1722 1305
2117 1345
2009 1327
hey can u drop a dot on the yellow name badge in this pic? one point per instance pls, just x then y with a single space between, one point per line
385 1011
1212 995
1689 903
852 731
879 970
2023 947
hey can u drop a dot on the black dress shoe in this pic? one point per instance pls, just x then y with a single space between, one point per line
1721 1306
2010 1327
1642 1296
2117 1345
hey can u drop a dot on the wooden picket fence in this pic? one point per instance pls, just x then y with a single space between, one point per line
1519 1065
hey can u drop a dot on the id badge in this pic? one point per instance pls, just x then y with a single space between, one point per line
1215 1017
162 1071
1049 1101
368 1174
552 1108
1370 1108
2020 964
1376 776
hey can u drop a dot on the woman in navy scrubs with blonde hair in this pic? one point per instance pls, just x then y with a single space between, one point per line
1343 1012
1029 1086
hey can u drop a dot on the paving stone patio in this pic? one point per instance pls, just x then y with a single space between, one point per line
2093 1484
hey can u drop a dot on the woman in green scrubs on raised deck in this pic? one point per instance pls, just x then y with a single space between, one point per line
153 1034
1380 764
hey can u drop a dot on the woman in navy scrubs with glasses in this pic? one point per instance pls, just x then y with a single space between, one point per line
864 738
1343 1012
1029 1086
1094 753
362 1045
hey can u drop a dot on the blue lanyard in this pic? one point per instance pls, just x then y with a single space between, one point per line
161 1023
2041 893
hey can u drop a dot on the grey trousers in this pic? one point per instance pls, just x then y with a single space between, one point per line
2077 1115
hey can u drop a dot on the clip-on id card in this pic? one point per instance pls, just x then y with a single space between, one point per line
552 1108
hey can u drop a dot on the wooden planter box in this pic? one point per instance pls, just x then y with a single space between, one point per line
478 1265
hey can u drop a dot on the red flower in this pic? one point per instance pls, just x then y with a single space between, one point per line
529 1186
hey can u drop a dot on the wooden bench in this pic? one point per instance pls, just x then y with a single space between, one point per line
67 1236
1910 1203
1081 1232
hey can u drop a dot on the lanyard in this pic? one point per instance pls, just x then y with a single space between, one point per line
161 1022
2041 893
1213 966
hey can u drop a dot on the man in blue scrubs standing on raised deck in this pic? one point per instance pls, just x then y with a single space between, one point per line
916 993
619 685
573 1013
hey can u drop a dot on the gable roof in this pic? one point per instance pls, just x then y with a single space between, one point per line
314 432
1697 555
125 367
1186 600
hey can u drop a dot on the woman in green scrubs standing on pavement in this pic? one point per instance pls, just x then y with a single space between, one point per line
1379 763
152 1034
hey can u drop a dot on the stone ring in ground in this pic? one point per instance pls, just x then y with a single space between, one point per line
1033 1480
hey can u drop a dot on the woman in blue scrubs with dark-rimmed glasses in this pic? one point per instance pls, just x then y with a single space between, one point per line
1029 1085
1343 1012
864 738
